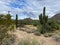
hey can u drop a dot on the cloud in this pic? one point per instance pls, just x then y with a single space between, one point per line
3 7
29 8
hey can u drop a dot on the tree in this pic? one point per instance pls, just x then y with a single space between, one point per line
8 19
5 21
2 17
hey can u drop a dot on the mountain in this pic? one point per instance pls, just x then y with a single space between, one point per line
56 17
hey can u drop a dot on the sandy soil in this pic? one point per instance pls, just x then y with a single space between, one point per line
41 39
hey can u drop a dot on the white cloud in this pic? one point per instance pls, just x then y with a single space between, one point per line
3 7
30 7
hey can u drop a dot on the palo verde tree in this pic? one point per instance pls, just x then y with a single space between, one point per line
8 20
5 21
16 20
43 21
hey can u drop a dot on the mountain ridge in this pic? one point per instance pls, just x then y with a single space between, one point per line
56 17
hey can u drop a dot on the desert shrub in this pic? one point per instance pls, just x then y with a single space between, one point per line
59 26
4 34
53 25
39 27
35 22
9 41
37 33
29 31
5 22
48 34
28 42
28 22
11 27
56 37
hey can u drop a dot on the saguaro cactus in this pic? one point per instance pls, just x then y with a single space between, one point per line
44 11
16 20
43 20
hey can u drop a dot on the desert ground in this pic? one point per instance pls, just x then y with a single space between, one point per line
41 39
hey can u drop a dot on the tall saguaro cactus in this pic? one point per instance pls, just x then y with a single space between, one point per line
16 20
43 20
44 11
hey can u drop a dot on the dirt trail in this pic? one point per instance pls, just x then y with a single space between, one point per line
42 40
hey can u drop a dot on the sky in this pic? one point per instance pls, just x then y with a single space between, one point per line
29 8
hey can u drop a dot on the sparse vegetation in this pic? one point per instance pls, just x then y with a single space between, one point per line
28 42
5 26
37 33
56 37
28 22
45 26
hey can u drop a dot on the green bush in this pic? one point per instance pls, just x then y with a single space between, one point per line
11 27
54 25
48 34
56 37
5 22
37 33
9 41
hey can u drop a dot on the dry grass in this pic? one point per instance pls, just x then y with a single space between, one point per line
41 39
21 35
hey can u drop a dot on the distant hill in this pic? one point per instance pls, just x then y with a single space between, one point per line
56 17
28 21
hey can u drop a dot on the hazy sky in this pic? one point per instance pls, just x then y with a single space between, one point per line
29 8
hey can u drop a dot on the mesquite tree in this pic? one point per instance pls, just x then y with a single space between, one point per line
43 21
16 20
